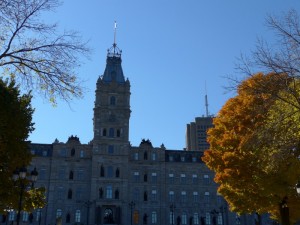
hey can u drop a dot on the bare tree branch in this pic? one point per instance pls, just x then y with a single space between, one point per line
281 57
35 54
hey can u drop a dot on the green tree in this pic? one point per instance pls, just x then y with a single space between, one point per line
254 147
35 54
15 126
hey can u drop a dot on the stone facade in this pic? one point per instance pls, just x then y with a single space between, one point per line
108 181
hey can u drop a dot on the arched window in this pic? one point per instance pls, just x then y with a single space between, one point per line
117 172
68 218
71 175
72 151
145 155
100 193
145 177
118 133
30 217
117 194
70 194
112 100
104 132
102 171
145 218
111 132
3 218
145 196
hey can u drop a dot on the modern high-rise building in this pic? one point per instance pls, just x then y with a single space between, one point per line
196 134
109 181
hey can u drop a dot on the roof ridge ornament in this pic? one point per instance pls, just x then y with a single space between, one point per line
114 51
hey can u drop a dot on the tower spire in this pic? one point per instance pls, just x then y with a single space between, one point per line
114 51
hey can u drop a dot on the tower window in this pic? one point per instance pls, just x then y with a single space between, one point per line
111 132
68 218
104 132
100 193
117 172
71 175
70 194
72 151
112 100
117 194
101 171
118 133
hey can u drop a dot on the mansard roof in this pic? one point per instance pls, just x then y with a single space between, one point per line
113 70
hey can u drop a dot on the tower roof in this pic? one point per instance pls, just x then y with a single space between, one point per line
113 70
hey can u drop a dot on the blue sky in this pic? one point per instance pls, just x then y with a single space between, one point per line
170 50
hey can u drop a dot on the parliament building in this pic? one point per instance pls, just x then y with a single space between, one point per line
109 181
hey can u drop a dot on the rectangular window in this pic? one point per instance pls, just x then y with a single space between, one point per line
154 156
60 193
182 158
11 216
81 153
206 179
194 159
154 195
195 197
110 149
24 216
79 194
220 219
207 218
171 178
58 213
171 196
154 177
136 195
184 219
109 191
171 158
136 156
80 174
77 216
110 171
154 218
62 174
183 196
38 215
136 176
194 179
196 218
63 152
206 197
183 178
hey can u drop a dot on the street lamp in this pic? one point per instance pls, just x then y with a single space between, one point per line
131 204
172 207
20 175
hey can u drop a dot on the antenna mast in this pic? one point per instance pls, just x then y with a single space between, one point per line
206 101
115 33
